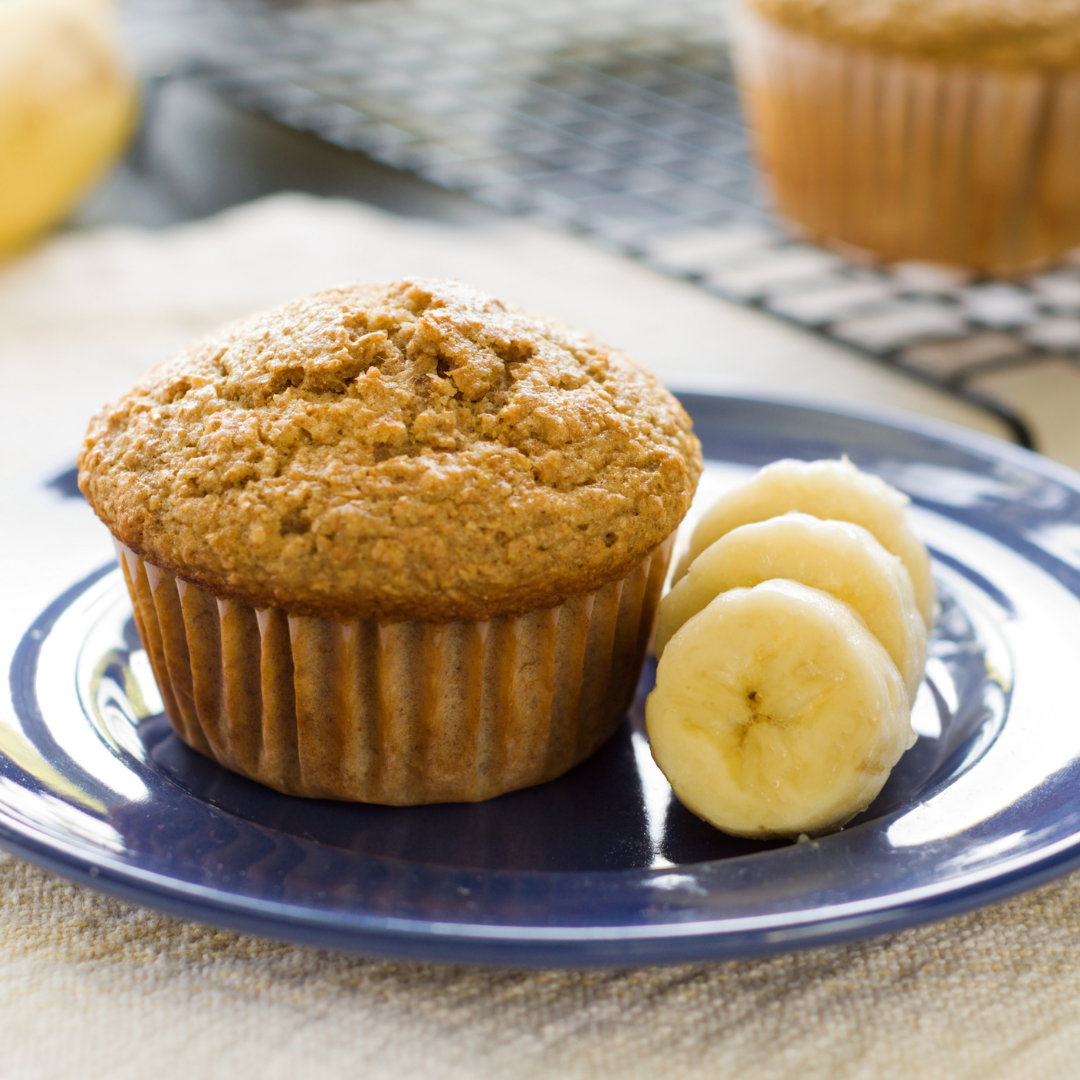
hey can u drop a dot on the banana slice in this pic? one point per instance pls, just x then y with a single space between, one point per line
826 489
776 712
837 557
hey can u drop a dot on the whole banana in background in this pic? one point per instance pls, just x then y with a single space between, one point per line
67 107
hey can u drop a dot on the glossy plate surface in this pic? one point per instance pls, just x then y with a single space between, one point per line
602 866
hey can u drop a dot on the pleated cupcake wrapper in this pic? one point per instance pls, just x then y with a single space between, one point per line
395 712
913 159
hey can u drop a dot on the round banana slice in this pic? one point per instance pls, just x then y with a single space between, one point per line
776 712
837 557
826 489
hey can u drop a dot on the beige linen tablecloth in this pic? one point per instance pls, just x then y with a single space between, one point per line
92 987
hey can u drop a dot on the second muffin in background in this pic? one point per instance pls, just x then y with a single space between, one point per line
940 130
394 543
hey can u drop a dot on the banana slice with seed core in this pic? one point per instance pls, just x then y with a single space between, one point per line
826 489
776 712
838 557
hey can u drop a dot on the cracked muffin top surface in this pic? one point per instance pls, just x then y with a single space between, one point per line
411 450
999 33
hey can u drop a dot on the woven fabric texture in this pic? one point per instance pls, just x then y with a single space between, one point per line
90 986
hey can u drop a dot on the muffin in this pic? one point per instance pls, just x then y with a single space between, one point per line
394 543
938 130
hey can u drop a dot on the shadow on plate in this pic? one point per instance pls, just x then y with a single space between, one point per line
612 812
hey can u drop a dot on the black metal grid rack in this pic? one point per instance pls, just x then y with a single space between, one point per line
616 119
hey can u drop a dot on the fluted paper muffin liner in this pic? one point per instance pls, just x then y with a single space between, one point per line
909 158
396 713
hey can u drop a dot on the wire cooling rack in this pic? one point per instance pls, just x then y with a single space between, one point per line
615 119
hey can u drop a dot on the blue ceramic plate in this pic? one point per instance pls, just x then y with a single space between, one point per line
602 866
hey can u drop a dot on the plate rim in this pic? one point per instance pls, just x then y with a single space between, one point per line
518 946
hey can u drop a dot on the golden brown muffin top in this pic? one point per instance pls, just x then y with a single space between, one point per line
997 33
413 450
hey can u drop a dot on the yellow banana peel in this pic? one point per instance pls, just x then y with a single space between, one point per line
67 107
